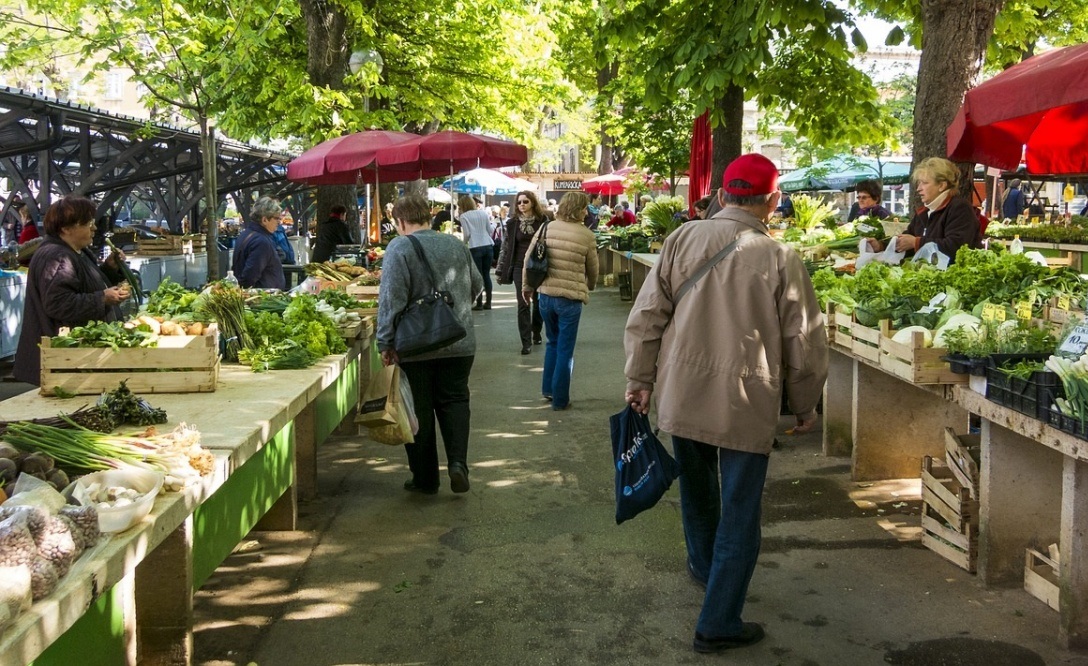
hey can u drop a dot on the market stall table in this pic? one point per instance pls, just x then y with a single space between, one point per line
636 264
887 425
132 599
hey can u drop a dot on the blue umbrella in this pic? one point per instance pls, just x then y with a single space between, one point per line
844 173
483 181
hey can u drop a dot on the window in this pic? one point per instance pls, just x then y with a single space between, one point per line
115 85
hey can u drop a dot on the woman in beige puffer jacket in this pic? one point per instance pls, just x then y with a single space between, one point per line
572 274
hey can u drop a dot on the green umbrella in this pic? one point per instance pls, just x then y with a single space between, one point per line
844 173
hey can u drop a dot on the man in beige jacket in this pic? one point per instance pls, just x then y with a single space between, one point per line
720 342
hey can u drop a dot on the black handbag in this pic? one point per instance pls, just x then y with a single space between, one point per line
427 323
536 262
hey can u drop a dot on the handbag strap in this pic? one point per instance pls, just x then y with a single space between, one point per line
706 268
423 257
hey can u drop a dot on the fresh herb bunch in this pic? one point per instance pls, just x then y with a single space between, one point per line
284 355
126 407
1009 337
340 299
170 300
113 335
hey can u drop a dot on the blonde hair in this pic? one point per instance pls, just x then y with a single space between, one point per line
466 203
939 170
572 206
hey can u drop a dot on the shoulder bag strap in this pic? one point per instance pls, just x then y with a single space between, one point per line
708 266
423 257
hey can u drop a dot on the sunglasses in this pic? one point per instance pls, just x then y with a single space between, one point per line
524 201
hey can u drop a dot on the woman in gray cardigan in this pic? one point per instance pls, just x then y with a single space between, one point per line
439 379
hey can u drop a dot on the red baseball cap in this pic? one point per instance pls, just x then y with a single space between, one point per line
755 169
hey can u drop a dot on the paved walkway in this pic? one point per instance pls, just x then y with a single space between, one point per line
530 568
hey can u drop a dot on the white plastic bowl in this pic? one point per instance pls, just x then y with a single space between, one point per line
142 481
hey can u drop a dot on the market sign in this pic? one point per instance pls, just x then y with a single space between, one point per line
567 185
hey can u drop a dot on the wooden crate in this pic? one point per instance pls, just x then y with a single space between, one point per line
839 325
180 364
1041 576
915 362
865 342
163 246
362 290
350 331
949 516
961 453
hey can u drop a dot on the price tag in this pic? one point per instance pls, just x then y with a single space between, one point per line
993 312
1075 343
1063 302
1023 310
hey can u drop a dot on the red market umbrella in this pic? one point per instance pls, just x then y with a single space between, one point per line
699 165
448 152
342 161
608 184
1037 109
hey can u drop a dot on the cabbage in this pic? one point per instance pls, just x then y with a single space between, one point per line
906 335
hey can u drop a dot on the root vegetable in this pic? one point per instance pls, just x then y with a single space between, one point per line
172 328
195 328
37 463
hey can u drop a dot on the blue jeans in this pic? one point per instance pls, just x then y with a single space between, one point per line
721 526
561 317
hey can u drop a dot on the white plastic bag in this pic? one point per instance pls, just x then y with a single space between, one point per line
887 256
929 254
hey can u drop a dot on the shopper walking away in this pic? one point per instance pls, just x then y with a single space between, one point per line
439 379
475 227
724 322
572 274
520 229
330 233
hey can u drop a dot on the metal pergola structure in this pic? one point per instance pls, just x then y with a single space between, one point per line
51 148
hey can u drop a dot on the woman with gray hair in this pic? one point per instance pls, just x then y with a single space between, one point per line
439 378
256 264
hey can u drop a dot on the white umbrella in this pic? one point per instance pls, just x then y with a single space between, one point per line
526 185
440 196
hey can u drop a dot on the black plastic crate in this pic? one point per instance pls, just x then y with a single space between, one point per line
1032 396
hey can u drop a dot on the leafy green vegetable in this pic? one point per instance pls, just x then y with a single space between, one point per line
113 335
170 299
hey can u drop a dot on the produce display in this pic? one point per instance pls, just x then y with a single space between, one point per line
343 271
899 293
1073 233
296 339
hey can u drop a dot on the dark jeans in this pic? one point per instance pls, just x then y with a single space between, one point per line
721 526
561 317
482 257
439 389
529 321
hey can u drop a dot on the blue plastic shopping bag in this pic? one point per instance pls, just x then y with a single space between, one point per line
644 469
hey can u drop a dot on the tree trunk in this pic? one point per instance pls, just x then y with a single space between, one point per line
727 136
208 155
604 77
329 37
954 38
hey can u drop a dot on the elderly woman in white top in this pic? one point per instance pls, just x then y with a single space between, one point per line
476 228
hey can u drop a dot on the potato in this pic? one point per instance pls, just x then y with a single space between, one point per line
195 328
172 328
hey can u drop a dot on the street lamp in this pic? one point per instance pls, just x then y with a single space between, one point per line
361 59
